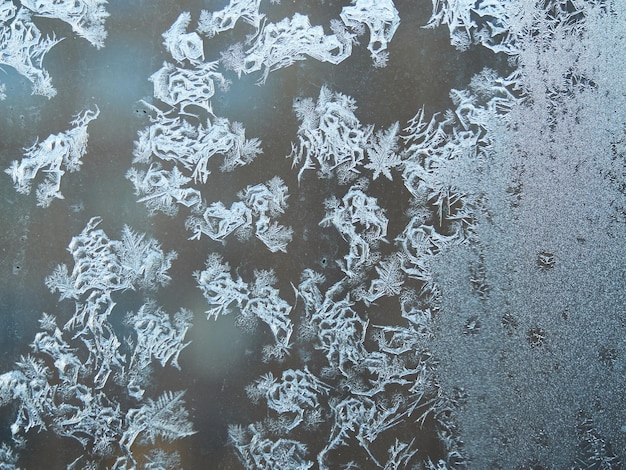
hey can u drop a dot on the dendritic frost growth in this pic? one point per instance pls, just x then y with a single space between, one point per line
54 156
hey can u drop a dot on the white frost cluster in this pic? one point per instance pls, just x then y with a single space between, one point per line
330 137
86 17
23 47
332 140
361 222
279 45
79 396
256 451
183 46
186 150
106 266
256 300
345 396
55 155
212 23
181 87
191 147
259 204
382 20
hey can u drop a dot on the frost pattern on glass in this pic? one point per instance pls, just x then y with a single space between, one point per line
215 22
86 17
259 205
190 147
182 87
361 222
279 45
532 155
255 300
382 21
331 139
449 300
183 46
54 156
382 152
23 47
82 395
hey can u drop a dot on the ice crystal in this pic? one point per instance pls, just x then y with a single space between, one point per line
330 135
163 190
382 20
389 281
219 288
183 46
279 45
86 17
23 47
75 398
489 23
8 459
157 337
106 266
256 451
178 153
166 418
56 154
259 204
361 222
191 147
400 454
382 152
182 87
212 23
254 300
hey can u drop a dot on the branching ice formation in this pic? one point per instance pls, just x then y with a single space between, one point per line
158 338
56 154
471 304
354 381
162 190
212 23
382 149
182 87
361 222
66 385
330 138
23 47
86 17
191 147
256 451
183 46
255 300
279 45
259 203
186 149
178 152
382 20
488 22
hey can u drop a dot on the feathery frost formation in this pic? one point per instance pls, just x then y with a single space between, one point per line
479 252
22 45
56 154
82 380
